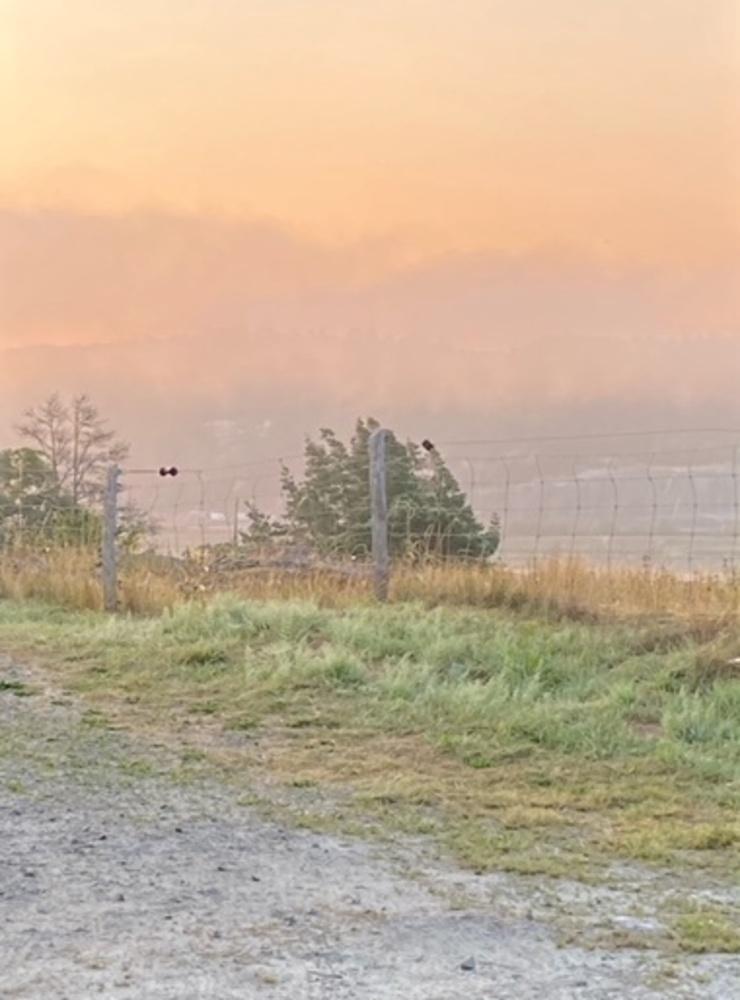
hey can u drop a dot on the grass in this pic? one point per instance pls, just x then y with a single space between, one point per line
15 687
71 577
524 742
706 929
565 588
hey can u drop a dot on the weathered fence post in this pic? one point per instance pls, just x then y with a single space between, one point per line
379 512
110 528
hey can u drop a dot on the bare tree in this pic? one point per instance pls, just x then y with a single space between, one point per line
75 442
47 427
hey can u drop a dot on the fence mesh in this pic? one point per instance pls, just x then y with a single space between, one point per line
676 508
671 503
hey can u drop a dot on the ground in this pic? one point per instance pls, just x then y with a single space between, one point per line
124 880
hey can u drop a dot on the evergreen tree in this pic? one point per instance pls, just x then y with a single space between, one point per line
329 508
263 529
33 506
28 495
452 527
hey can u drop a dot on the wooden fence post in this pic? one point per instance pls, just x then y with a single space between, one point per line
379 512
110 528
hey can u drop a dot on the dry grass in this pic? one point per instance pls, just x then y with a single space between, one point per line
569 589
65 576
575 589
71 578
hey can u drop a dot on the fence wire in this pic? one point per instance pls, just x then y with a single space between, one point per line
668 501
674 507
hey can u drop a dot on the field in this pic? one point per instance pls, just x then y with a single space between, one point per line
524 738
560 724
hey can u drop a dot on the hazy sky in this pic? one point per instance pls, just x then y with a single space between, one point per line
463 179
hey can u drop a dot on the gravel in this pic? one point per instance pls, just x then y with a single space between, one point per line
115 883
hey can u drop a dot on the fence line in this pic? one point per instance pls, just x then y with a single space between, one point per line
677 510
589 497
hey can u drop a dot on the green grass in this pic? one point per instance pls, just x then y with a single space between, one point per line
521 743
707 929
17 688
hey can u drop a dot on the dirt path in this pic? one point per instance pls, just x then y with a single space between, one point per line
119 882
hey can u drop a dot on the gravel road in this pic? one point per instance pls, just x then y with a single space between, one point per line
120 882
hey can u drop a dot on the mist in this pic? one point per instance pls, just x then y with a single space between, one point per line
205 340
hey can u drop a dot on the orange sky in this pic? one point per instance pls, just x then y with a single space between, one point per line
482 176
606 125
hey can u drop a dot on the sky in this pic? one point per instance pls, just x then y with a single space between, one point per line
269 214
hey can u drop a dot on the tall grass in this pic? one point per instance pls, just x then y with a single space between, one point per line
566 588
71 577
68 576
575 589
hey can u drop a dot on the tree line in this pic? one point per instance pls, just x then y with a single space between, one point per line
51 487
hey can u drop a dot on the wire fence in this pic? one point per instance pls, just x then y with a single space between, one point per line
675 507
669 501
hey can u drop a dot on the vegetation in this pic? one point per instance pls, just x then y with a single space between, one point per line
700 607
705 929
35 508
50 489
521 742
74 444
329 509
546 721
